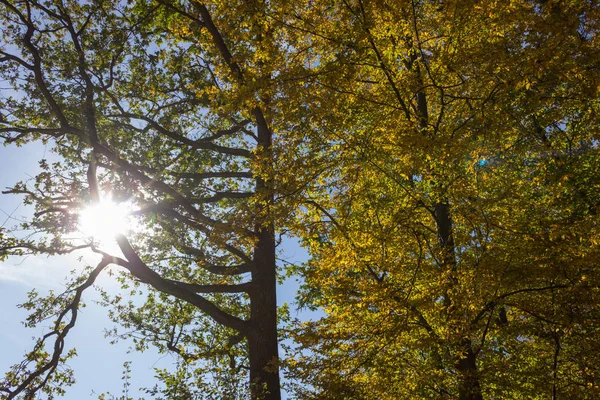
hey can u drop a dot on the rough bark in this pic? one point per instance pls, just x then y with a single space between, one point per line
262 336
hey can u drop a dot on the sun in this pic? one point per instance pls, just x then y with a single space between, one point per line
102 221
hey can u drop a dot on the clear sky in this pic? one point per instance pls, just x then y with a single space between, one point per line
99 365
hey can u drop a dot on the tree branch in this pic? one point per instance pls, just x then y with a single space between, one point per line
491 304
215 288
60 332
141 271
203 144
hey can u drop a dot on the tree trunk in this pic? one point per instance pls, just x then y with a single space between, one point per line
469 388
263 348
262 336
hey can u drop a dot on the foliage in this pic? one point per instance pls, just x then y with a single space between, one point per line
168 109
438 158
454 241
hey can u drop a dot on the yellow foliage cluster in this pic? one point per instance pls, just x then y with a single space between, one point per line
454 239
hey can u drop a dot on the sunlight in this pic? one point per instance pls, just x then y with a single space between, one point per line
104 220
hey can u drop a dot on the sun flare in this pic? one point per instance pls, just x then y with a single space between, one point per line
104 220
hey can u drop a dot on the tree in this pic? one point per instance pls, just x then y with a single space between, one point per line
444 157
170 108
454 242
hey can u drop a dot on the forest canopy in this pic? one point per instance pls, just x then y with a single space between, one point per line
438 160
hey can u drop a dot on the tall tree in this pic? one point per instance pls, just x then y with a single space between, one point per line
454 245
168 108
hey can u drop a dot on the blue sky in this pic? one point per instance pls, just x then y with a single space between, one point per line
99 365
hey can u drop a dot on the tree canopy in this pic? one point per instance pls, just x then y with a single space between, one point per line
438 159
454 247
163 107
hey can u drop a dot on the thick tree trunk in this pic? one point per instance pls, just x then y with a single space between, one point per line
262 336
469 388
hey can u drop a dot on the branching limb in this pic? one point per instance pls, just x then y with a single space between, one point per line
37 69
203 144
217 288
38 249
44 373
142 272
198 225
492 304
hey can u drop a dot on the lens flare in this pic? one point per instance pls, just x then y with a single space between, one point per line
102 221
